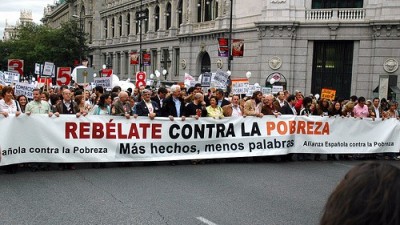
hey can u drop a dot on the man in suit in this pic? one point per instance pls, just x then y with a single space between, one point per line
174 105
288 109
221 98
160 96
147 107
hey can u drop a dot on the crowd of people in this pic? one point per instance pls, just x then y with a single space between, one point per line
179 102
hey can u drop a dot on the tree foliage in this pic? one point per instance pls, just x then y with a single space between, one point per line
39 43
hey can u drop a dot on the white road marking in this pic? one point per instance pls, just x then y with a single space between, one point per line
206 221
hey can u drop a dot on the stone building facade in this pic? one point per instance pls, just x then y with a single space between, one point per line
350 46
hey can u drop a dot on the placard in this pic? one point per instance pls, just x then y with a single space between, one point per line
105 82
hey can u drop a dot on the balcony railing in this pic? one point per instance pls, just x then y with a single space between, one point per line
335 14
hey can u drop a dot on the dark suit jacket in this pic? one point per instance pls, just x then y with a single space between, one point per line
286 110
119 109
59 107
142 110
224 102
169 109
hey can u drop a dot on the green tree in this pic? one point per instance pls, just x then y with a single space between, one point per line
38 44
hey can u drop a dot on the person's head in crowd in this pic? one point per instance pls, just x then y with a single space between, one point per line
175 91
198 87
22 100
392 106
361 101
291 99
116 89
78 92
353 98
337 106
135 91
220 94
368 194
191 91
146 95
198 98
123 96
235 100
307 101
85 62
7 93
36 94
368 103
213 101
257 96
114 97
129 90
281 96
376 102
162 92
286 93
268 99
55 98
79 99
104 100
298 94
98 90
67 95
45 96
63 87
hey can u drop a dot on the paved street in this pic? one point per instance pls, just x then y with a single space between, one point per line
224 194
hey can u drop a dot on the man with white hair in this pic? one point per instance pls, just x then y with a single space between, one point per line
122 106
147 107
174 105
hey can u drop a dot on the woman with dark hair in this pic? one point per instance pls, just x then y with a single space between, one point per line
367 195
23 101
336 110
103 107
8 106
214 110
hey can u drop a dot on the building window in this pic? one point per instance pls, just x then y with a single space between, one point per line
157 18
168 16
128 24
327 4
154 59
207 10
120 26
180 15
106 28
112 27
177 62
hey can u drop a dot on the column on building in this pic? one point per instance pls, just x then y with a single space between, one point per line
193 11
114 62
150 18
132 25
123 65
162 16
123 24
174 14
184 11
109 30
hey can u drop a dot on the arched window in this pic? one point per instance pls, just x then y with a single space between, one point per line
179 12
120 26
112 27
168 16
146 21
156 18
207 10
128 24
106 28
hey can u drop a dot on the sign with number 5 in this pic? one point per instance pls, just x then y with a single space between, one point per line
63 76
16 65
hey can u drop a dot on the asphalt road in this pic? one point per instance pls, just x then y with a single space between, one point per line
224 194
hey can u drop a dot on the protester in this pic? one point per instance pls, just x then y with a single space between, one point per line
122 107
376 111
197 108
368 194
289 109
8 106
22 101
214 110
360 109
268 107
84 107
252 107
38 106
221 101
103 106
234 109
147 107
336 110
174 105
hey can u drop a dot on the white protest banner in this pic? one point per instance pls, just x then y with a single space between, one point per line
266 90
116 139
276 89
48 69
240 86
38 68
221 77
11 77
24 89
105 82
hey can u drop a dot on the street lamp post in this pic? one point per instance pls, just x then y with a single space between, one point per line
140 17
230 57
80 36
